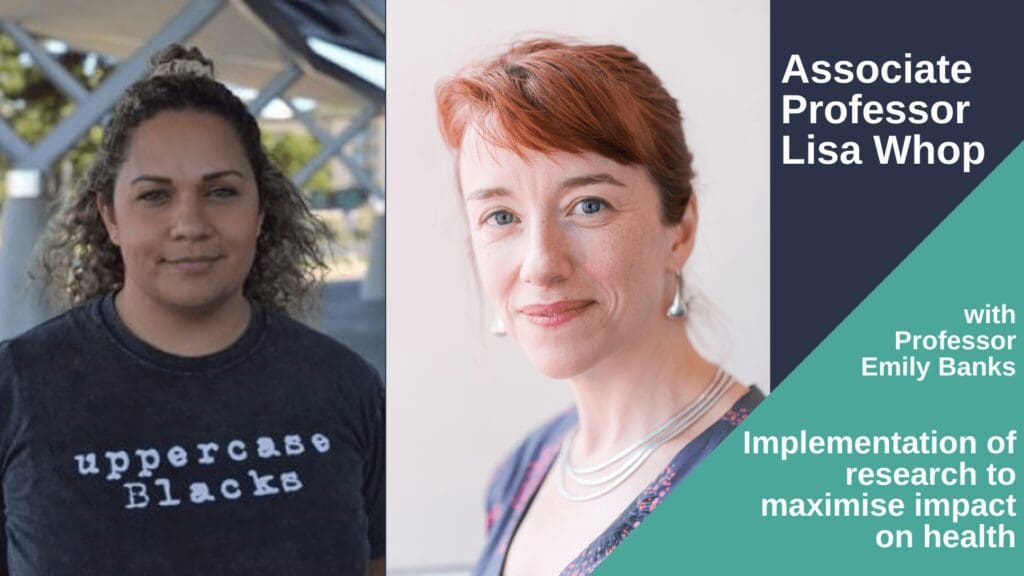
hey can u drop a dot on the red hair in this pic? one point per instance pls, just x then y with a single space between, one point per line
547 95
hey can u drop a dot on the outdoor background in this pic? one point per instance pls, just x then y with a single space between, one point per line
460 399
306 102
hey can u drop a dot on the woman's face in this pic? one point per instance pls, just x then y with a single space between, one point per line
185 212
571 250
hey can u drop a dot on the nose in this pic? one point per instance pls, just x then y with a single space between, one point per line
547 260
189 220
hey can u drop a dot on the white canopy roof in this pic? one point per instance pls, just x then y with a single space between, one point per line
244 50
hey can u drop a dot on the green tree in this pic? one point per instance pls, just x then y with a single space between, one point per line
31 105
291 151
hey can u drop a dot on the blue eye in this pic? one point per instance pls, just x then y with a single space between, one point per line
502 218
590 206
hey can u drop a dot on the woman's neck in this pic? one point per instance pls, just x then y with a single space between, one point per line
635 390
183 332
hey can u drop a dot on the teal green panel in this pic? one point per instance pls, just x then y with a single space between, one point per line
713 521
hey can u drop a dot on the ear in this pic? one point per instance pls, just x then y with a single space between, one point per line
261 216
684 235
106 211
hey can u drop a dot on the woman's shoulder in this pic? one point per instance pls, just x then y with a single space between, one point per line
323 356
290 337
54 336
742 408
551 432
529 460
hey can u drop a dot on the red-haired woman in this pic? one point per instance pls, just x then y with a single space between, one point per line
576 180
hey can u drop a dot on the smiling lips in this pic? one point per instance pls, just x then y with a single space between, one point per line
192 263
554 314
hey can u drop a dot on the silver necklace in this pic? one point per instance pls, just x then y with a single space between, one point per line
630 459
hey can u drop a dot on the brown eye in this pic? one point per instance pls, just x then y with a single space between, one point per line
223 192
152 196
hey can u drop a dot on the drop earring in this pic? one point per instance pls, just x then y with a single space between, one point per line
678 307
498 326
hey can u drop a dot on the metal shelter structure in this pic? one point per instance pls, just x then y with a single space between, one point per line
269 44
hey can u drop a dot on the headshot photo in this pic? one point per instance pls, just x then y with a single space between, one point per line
578 271
176 396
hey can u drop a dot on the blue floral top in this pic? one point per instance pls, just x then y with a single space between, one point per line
516 482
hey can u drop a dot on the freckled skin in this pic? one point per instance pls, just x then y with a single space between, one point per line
539 241
587 230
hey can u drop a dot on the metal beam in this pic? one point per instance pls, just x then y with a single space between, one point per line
277 85
12 144
93 108
373 284
334 146
360 175
372 11
24 215
53 69
325 138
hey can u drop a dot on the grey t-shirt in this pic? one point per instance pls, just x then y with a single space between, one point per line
117 458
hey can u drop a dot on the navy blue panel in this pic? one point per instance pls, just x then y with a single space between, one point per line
837 231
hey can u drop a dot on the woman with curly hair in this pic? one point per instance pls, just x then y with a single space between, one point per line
189 425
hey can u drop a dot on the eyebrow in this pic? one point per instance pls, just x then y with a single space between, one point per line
590 180
569 184
206 177
485 193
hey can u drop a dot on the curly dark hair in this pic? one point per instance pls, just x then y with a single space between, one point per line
77 259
